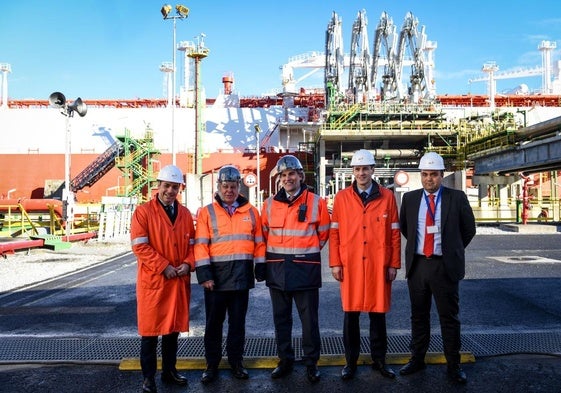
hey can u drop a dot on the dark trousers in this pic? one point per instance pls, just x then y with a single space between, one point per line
429 280
378 336
149 356
307 304
217 304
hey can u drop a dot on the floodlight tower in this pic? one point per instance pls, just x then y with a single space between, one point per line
546 47
6 69
186 93
429 49
198 52
167 68
181 13
490 68
58 100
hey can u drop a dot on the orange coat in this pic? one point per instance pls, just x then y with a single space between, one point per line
162 304
365 241
226 247
294 246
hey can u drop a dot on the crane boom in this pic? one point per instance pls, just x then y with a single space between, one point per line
359 75
383 48
334 58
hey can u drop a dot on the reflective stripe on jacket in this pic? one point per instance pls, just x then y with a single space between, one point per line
226 247
293 246
162 304
365 241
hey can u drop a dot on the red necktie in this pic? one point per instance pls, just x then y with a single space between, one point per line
428 248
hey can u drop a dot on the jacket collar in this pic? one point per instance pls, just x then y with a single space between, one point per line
281 196
374 190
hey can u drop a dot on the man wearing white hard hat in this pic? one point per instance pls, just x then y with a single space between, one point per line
163 238
438 224
364 255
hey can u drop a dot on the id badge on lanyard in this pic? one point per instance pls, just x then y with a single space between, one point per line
432 229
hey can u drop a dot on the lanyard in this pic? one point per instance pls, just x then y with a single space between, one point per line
433 213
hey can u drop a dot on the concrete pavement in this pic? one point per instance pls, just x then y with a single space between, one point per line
510 311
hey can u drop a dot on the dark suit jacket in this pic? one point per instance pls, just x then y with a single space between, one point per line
457 229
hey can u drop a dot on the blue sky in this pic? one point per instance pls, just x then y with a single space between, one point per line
113 49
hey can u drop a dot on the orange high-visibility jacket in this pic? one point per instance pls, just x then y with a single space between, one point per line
226 247
162 304
365 241
293 246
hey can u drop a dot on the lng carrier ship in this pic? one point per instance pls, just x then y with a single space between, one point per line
380 96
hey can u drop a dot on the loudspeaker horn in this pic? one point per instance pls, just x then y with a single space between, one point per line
79 107
57 99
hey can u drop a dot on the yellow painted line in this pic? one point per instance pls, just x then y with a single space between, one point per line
133 364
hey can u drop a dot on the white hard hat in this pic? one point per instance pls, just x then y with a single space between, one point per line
431 161
172 174
363 157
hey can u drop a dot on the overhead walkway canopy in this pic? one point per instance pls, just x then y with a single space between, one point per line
534 149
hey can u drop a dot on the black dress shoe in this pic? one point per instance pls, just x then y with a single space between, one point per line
239 371
457 374
149 385
348 372
313 374
174 378
209 375
282 369
384 369
412 367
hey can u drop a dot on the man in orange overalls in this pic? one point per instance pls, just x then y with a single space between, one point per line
364 255
162 238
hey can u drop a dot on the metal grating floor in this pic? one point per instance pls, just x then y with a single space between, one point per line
108 350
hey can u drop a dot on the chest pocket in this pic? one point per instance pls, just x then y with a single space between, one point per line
277 217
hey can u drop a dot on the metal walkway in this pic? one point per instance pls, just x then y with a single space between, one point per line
191 349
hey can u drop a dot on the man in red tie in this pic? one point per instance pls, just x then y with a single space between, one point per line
430 228
438 224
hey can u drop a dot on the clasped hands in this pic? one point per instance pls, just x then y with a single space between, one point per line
182 270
